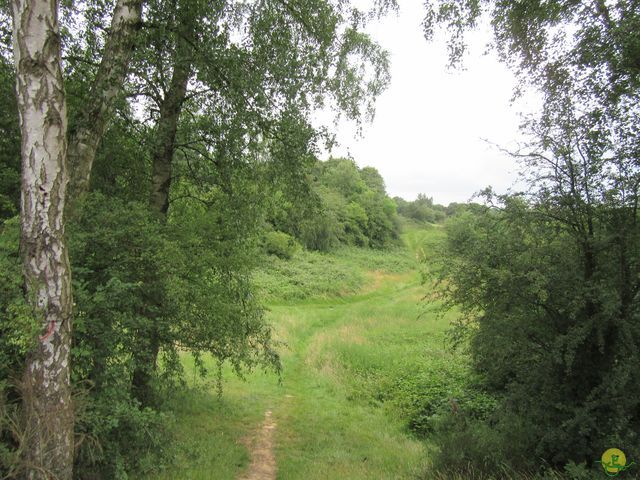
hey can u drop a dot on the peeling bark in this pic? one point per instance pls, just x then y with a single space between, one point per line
108 85
48 408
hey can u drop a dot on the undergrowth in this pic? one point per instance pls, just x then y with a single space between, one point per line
325 275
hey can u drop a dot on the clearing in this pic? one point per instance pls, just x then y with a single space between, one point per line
353 364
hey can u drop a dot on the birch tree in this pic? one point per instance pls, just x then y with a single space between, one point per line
48 411
43 124
107 86
220 80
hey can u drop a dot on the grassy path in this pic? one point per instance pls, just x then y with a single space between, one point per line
330 420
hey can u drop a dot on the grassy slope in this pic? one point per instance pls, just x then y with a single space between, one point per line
332 276
343 405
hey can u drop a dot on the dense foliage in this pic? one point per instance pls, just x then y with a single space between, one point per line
208 158
548 279
422 209
346 205
333 275
549 317
131 273
9 144
214 109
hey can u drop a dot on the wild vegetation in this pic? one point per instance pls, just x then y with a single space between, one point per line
145 110
547 279
361 371
348 206
178 266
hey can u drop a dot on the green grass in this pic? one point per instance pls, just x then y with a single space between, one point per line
338 274
424 241
358 356
366 371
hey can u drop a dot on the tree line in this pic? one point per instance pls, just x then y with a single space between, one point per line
346 205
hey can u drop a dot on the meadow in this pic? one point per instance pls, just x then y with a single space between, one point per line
369 376
365 367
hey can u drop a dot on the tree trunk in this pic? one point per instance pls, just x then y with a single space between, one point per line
162 155
48 410
164 146
146 359
84 141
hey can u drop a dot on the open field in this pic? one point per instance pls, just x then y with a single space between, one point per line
351 361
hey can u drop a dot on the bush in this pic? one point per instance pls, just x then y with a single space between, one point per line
280 244
321 233
140 285
309 275
422 394
462 442
17 328
554 335
118 438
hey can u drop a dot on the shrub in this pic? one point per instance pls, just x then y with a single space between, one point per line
322 233
280 244
553 329
140 285
118 437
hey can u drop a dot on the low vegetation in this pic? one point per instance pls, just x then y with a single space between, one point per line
351 403
371 385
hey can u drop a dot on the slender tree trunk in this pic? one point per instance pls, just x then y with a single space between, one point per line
146 358
167 128
108 84
43 122
162 156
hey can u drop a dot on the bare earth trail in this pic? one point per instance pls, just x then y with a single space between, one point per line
263 460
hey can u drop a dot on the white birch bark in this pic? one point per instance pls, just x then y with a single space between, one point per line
43 121
107 86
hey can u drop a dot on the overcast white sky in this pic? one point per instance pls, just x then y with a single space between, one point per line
428 133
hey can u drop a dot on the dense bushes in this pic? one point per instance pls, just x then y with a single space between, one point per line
119 288
318 275
17 329
118 437
554 332
422 209
424 392
346 206
141 290
280 244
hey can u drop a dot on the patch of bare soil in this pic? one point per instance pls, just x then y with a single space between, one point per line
263 460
